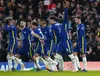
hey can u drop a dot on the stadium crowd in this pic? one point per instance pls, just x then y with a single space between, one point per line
28 10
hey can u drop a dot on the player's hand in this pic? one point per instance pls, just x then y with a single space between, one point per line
66 4
42 41
74 45
19 44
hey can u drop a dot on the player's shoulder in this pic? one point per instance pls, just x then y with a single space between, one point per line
57 24
82 26
47 27
39 29
12 26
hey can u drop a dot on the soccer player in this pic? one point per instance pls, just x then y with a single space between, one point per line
26 49
56 29
80 44
65 44
48 42
37 45
12 47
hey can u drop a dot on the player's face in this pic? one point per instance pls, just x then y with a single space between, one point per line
33 27
22 27
10 23
41 23
76 21
51 21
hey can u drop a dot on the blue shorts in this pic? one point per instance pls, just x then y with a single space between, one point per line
12 48
39 49
79 49
26 50
65 47
48 50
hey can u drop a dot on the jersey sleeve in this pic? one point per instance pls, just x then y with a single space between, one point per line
50 34
65 15
81 36
8 28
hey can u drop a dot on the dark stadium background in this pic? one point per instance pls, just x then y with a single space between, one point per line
28 10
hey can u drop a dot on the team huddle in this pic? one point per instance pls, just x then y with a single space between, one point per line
39 42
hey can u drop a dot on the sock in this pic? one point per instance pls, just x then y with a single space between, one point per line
54 62
37 63
59 60
10 64
61 65
84 63
71 56
42 60
16 64
77 61
21 63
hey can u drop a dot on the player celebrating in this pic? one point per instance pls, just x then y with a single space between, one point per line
12 31
56 29
48 41
65 44
80 44
37 45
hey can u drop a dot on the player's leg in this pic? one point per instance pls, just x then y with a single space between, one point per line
68 50
75 52
48 59
19 61
84 59
36 62
36 57
59 60
9 58
9 62
71 56
58 57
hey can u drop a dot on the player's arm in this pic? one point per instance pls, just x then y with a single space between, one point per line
50 34
81 37
36 35
7 27
66 6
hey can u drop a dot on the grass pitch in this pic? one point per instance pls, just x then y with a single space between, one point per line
46 73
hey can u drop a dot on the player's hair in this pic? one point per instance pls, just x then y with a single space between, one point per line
8 19
52 18
43 21
22 23
34 23
78 17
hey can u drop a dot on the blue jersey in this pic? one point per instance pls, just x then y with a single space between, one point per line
26 41
48 40
12 31
26 36
64 32
56 29
48 36
65 45
39 32
38 47
81 37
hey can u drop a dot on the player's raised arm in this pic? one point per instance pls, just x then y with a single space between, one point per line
66 6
